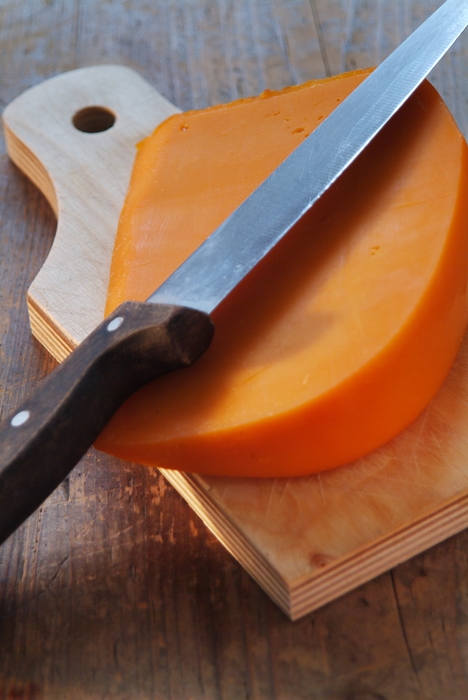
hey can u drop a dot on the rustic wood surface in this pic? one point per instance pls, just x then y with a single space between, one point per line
114 589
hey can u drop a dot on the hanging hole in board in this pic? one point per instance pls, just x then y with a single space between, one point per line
93 120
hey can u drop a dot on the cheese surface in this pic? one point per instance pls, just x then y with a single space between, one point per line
342 335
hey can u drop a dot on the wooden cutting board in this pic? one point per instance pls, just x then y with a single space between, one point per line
305 540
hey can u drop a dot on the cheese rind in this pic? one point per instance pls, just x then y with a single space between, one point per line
343 334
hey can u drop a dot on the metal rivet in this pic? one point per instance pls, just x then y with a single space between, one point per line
20 418
115 323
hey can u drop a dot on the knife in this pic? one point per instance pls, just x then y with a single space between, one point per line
49 433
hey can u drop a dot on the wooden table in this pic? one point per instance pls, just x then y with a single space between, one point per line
114 588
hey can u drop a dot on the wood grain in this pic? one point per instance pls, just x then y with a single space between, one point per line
115 589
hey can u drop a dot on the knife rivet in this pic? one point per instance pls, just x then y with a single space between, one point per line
20 418
115 323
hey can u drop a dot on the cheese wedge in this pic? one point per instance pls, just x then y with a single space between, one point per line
344 333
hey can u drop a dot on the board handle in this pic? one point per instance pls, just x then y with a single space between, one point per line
43 440
75 135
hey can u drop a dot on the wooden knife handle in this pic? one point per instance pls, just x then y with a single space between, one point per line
45 437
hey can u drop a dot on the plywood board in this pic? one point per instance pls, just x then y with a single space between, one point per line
308 540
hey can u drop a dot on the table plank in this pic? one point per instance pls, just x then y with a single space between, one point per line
115 588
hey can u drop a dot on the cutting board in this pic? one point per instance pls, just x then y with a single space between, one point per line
305 540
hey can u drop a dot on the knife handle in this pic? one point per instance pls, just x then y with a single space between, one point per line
45 437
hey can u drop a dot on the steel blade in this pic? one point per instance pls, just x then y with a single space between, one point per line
218 265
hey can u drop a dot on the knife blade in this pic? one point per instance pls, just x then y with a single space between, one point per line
49 433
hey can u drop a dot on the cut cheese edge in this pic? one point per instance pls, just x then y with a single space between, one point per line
343 334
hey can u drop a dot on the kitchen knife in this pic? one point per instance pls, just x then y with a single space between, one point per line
43 440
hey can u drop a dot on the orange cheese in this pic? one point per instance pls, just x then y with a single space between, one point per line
343 334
